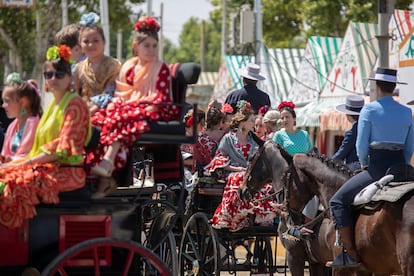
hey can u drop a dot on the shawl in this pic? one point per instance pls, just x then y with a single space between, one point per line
144 85
236 157
50 125
90 83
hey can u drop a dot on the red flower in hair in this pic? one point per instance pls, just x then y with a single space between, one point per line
263 110
189 122
286 104
65 52
227 108
147 23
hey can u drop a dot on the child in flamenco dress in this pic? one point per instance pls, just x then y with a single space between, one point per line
144 82
95 75
21 102
233 153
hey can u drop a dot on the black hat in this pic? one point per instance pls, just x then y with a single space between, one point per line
386 74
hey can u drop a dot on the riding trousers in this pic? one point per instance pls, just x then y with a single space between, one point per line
340 203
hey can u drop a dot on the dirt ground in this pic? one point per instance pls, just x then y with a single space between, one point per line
280 261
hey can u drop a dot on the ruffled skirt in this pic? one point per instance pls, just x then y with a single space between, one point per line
235 214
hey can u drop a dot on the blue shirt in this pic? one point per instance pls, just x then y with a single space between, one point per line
386 121
298 142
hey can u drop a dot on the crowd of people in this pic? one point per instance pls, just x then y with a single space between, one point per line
43 150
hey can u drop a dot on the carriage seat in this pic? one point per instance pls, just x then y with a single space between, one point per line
173 132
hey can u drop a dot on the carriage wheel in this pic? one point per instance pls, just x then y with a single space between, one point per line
160 217
167 251
199 250
262 256
137 257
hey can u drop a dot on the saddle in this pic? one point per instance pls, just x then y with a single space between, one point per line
398 181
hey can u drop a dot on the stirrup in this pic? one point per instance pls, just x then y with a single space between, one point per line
344 260
306 234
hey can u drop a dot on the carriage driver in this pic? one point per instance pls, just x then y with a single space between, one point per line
385 138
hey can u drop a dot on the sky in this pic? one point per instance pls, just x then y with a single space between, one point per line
176 13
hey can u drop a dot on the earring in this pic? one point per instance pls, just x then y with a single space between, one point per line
23 112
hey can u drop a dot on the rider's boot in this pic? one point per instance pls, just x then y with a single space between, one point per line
348 257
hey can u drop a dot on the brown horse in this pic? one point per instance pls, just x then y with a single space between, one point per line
384 236
266 162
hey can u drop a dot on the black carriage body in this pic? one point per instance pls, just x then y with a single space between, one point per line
56 228
77 217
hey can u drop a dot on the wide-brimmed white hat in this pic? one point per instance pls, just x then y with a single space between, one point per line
352 106
252 72
386 74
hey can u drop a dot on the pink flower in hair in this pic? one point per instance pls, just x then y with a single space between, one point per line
227 108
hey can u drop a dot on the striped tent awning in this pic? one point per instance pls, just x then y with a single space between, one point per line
355 61
279 66
317 61
309 114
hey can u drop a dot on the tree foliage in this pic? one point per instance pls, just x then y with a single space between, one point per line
26 33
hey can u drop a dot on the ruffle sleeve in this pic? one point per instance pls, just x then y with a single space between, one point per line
70 144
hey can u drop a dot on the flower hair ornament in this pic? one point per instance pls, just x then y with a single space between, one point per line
89 19
227 108
13 78
147 24
59 52
262 110
243 105
189 122
286 104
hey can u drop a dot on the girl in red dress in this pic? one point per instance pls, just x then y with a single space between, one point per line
144 81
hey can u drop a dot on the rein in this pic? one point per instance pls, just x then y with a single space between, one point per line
292 175
284 154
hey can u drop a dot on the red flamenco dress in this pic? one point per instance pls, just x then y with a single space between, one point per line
128 115
234 213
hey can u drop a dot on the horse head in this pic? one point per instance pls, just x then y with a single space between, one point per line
314 174
268 164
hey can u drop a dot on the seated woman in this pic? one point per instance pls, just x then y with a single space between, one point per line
21 102
233 153
52 164
144 81
208 140
187 150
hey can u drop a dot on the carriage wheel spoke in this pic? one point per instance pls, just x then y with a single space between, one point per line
128 262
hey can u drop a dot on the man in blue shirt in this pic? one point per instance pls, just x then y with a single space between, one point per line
385 138
347 150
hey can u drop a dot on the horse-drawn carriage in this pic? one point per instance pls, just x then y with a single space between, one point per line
139 229
128 232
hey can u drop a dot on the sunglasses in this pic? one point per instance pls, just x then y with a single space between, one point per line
57 74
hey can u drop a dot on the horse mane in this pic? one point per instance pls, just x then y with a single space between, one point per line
338 165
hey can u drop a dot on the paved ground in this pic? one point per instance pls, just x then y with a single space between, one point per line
280 261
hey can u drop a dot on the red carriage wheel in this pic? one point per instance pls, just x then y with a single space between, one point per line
136 259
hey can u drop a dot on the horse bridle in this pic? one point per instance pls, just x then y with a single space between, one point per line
253 163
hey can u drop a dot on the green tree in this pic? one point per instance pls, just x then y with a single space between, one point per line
25 34
190 45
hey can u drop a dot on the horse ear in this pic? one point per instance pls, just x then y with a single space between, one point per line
257 139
